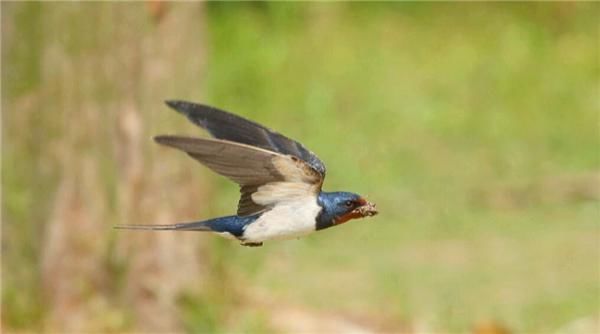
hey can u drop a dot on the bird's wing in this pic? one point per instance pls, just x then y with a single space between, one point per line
265 177
224 125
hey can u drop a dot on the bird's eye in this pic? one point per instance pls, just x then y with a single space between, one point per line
349 203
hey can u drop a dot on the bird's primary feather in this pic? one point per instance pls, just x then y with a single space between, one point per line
224 125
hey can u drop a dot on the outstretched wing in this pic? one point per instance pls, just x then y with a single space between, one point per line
265 177
224 125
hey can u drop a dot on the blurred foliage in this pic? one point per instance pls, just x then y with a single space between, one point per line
474 127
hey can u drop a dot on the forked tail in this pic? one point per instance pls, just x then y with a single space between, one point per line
195 226
233 225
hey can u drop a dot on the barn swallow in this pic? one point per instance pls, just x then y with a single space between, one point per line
280 180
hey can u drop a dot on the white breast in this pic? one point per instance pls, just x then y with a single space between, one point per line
286 220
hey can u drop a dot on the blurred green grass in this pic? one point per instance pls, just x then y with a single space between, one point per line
424 108
451 117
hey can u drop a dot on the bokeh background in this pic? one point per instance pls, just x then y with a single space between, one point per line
474 127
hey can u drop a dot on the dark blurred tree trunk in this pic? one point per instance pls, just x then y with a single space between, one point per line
103 71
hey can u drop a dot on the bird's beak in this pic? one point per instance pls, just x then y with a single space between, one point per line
366 208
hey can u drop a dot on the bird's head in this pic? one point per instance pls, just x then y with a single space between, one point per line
340 207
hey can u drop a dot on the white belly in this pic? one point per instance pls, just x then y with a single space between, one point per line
286 220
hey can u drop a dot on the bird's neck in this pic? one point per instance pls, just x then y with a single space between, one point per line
326 217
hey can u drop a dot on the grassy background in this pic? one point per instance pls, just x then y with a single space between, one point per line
474 127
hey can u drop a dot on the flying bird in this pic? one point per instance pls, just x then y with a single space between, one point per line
280 180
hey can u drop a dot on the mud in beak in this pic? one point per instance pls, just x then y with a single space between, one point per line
366 209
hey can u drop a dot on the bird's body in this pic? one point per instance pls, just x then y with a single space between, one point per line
279 179
287 220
